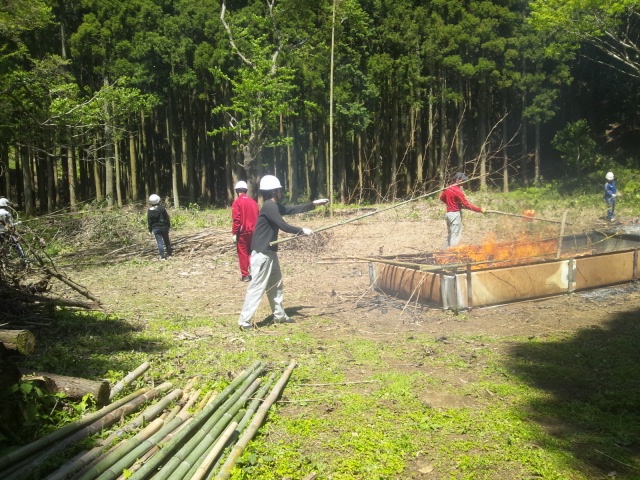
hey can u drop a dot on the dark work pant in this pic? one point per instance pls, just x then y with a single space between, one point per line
162 238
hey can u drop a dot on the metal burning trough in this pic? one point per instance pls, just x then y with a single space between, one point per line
500 273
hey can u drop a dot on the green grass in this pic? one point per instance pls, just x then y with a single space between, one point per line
407 406
512 422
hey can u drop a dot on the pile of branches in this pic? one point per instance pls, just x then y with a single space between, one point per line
26 272
172 438
210 240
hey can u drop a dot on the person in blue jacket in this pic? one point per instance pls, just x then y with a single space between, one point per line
610 195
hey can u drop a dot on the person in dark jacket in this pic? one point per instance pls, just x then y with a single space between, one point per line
159 225
455 200
265 267
244 214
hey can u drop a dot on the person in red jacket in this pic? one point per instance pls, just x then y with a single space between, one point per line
455 200
244 213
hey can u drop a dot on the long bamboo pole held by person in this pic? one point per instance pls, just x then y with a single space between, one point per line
355 219
526 216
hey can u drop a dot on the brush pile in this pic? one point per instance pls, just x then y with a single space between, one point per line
179 436
26 272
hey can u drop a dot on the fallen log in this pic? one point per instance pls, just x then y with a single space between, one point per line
73 387
22 341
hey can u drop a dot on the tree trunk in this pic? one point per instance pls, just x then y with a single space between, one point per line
118 180
482 133
71 177
96 171
22 341
4 167
536 174
27 182
174 156
188 170
524 165
73 387
133 166
505 146
292 167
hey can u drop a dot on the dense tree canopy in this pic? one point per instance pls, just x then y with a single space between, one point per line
111 101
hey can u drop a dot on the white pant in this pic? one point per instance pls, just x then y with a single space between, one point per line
454 228
265 277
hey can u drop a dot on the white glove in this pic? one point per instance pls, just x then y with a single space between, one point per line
613 195
307 231
234 238
321 201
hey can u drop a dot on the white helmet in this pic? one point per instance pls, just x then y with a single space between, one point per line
609 176
4 202
241 185
154 199
269 182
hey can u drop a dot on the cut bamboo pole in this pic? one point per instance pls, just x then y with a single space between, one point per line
251 410
110 469
523 216
205 399
86 459
198 451
100 424
173 467
145 458
31 448
564 219
128 379
217 448
89 456
362 216
225 471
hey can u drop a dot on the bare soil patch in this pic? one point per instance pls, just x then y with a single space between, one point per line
322 280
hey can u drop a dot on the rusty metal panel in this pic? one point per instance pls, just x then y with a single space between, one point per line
600 270
409 284
522 282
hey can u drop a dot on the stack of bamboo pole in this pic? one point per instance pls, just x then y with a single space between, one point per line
174 438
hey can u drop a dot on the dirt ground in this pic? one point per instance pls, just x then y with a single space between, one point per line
322 279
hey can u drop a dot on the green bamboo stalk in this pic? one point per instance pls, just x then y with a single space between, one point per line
225 471
149 414
198 449
146 416
100 424
31 448
194 443
253 406
130 377
215 450
87 461
110 467
145 458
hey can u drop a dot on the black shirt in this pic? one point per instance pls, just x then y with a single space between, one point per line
157 217
270 221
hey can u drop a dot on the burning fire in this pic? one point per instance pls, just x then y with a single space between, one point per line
495 253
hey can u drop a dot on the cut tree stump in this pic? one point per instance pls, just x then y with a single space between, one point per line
73 387
21 340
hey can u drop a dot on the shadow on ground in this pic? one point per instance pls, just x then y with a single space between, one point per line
593 382
88 344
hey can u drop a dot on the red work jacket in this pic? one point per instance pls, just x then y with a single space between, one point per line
244 212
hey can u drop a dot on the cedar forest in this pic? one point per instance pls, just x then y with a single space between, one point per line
107 102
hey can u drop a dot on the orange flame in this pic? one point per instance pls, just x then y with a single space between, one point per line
492 253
